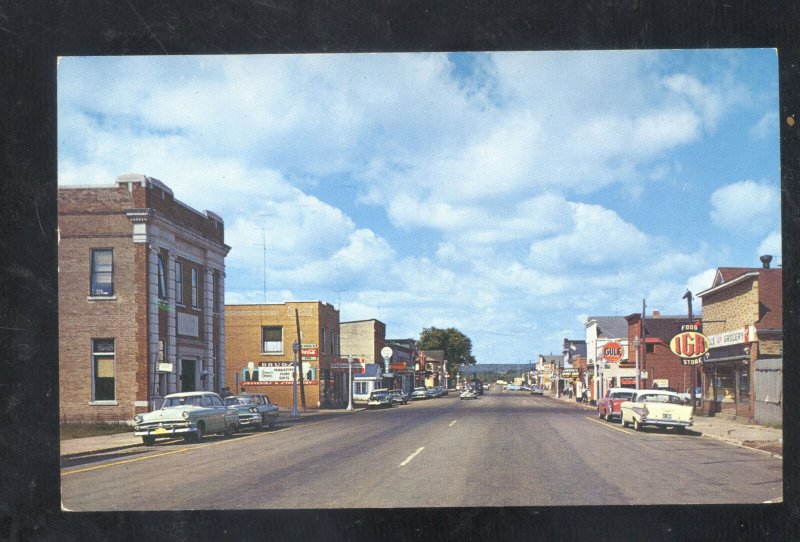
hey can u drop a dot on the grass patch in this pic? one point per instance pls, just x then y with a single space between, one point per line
81 430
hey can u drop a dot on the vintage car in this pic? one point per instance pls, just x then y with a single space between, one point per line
419 393
398 397
608 405
687 395
656 407
190 415
254 410
468 394
536 389
379 399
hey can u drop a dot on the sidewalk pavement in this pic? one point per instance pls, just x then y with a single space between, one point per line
78 447
758 437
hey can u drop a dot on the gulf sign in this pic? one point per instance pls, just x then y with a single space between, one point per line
612 352
689 345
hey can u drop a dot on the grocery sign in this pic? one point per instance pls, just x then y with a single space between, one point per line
612 352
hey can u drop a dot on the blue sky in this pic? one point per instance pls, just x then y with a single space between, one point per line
509 195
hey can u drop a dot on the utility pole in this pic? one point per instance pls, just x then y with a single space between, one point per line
688 297
300 360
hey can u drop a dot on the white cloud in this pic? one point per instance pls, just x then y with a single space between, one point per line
746 207
772 246
701 281
766 126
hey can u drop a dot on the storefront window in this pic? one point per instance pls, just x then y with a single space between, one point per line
744 384
724 383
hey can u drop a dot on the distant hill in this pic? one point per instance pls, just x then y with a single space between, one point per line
500 368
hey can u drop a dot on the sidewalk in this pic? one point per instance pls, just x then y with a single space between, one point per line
758 437
78 447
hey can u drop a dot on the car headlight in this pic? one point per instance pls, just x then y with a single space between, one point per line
253 409
185 415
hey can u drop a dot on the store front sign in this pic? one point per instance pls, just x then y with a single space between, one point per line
612 352
689 345
737 336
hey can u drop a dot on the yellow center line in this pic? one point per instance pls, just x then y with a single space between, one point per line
153 456
610 426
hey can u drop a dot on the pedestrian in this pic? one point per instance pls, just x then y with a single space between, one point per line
586 395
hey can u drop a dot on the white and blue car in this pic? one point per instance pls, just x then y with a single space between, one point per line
190 415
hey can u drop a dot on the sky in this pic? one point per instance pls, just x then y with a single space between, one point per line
507 194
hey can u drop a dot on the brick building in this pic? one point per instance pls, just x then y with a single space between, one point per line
141 292
660 367
364 340
260 356
743 321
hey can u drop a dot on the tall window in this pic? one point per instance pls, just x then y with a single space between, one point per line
102 272
103 370
322 349
272 339
194 288
179 283
162 285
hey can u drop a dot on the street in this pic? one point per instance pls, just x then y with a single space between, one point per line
503 449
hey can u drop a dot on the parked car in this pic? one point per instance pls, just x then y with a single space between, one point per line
656 407
254 409
379 399
419 393
190 415
444 390
536 389
398 396
608 405
513 387
468 394
434 392
698 395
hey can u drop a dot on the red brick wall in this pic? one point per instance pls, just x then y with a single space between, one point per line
86 222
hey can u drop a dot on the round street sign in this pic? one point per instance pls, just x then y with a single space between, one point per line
689 345
612 352
386 352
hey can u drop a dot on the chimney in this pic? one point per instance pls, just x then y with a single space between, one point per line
765 260
656 314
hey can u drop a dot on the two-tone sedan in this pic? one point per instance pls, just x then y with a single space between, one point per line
190 415
379 399
656 407
254 410
419 393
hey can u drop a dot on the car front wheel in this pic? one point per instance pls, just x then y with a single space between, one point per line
636 425
622 420
148 440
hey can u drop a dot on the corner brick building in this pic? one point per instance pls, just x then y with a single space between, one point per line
260 355
743 321
141 299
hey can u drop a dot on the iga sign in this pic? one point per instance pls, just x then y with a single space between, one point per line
689 345
612 352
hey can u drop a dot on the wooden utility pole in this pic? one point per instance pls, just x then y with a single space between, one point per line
300 360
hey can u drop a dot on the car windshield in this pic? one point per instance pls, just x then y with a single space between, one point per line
193 400
621 394
660 398
234 401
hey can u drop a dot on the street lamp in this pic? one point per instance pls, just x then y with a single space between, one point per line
350 382
636 343
295 349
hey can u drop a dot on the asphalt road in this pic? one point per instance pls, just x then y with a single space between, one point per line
503 449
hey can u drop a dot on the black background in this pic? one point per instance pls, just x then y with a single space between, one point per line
34 33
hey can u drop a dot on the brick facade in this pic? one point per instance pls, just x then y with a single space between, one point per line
655 355
319 329
137 219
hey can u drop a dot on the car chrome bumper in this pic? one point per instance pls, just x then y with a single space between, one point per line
662 421
164 431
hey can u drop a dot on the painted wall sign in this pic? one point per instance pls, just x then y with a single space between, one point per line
612 352
689 345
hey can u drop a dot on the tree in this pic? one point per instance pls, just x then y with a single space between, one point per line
457 346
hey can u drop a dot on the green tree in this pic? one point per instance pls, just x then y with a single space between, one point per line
457 346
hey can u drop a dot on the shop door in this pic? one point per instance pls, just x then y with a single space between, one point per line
188 375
